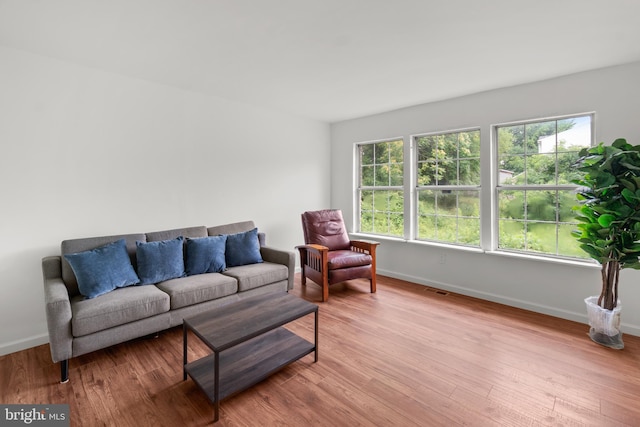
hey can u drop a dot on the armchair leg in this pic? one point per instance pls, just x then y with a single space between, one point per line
64 371
325 283
373 283
325 292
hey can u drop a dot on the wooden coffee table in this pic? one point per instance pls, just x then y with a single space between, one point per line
248 343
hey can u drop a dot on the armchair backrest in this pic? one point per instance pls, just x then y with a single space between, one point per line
326 228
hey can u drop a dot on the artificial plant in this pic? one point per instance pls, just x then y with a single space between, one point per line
609 211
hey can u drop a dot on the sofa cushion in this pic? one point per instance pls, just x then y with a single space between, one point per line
255 275
205 255
243 248
191 290
158 261
116 308
103 269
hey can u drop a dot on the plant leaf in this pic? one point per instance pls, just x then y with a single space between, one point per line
606 220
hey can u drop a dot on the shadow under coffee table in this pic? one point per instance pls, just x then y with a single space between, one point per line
248 343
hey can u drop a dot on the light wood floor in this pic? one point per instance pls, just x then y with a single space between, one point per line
405 356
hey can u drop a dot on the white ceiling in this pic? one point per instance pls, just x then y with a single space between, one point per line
329 60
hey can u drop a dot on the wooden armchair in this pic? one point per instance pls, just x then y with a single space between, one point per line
329 256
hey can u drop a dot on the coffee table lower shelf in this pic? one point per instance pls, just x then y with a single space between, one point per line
248 363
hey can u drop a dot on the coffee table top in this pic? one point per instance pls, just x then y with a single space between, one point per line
232 324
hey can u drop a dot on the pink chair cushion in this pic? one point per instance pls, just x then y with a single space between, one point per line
326 228
346 259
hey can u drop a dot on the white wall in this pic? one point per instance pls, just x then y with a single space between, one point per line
85 152
543 286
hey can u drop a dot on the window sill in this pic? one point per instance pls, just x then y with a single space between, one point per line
377 237
576 263
537 258
416 242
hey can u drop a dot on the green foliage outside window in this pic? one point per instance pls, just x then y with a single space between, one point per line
534 197
449 159
382 205
448 180
535 191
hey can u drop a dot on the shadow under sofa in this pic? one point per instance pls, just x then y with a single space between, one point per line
78 325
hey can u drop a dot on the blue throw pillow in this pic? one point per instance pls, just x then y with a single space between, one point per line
103 269
159 261
205 255
243 248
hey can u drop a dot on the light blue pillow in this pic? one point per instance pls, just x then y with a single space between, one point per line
103 269
243 248
159 261
205 255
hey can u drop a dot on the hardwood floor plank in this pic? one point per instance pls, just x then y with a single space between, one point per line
407 355
584 416
624 408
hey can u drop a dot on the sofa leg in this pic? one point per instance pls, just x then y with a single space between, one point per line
64 371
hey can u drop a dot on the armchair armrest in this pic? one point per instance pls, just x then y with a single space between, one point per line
365 245
368 247
58 309
313 256
279 256
313 248
313 261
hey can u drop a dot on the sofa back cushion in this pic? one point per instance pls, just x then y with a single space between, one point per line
156 236
72 246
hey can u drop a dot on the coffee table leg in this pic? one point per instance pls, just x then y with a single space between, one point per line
216 385
184 352
316 337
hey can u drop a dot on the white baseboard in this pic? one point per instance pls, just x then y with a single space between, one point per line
512 302
23 344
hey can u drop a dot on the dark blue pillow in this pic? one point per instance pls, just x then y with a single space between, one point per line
158 261
103 269
243 248
205 255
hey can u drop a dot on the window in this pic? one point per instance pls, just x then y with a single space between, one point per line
380 188
448 187
534 190
440 191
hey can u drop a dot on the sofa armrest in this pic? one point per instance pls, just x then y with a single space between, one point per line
58 309
283 257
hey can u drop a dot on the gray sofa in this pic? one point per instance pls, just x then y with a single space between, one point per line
78 325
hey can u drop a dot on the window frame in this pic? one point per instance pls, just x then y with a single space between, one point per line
417 187
359 187
497 187
488 191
